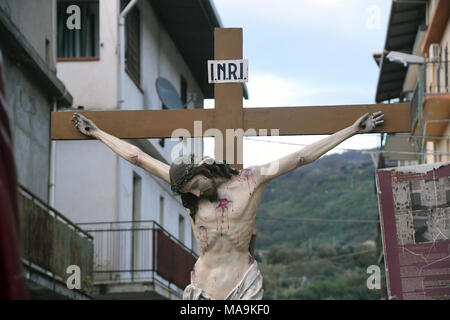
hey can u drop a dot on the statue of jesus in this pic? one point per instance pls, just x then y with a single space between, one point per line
222 203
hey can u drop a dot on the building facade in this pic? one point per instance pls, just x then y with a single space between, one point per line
112 62
50 242
422 29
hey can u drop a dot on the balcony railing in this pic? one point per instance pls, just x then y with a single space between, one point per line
417 108
51 242
433 79
139 251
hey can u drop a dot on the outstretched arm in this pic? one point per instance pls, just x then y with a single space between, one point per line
312 152
124 149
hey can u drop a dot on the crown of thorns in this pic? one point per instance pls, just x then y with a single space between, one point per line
182 170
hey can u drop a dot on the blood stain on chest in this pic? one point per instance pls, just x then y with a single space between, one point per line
247 175
224 205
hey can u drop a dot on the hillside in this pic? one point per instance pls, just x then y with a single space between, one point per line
339 186
305 259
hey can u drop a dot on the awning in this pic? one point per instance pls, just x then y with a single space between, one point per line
404 22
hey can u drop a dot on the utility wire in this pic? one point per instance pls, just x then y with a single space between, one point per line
346 149
338 257
319 220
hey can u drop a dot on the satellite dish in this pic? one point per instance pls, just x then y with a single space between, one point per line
168 94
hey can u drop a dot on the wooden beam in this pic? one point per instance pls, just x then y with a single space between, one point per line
228 97
132 124
325 119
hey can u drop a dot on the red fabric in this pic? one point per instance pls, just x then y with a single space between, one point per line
12 281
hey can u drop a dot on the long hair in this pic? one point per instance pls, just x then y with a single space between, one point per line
209 170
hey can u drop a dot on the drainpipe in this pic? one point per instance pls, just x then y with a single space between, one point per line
51 184
122 17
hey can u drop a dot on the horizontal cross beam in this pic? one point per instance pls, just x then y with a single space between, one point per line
134 124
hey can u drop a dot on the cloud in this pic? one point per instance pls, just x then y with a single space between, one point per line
344 17
269 90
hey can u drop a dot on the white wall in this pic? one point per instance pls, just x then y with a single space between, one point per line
86 181
160 58
93 84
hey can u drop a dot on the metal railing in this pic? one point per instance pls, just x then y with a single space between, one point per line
127 251
417 98
51 242
433 78
417 108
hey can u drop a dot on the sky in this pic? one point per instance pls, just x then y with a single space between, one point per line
306 53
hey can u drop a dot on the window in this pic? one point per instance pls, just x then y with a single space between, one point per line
181 228
183 90
161 211
82 42
132 42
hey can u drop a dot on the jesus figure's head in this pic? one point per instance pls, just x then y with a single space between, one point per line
194 179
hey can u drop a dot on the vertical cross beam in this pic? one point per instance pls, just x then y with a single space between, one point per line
228 98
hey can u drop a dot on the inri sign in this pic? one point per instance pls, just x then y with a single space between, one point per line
223 71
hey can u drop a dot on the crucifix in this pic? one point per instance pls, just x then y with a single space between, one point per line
222 200
230 114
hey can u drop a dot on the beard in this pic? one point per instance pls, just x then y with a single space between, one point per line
211 194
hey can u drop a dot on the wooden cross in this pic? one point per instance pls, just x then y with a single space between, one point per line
230 114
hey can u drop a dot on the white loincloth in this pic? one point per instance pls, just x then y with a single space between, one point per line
249 288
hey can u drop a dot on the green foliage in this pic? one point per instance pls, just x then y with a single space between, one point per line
319 260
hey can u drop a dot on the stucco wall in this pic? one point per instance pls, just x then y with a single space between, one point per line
29 108
35 20
29 117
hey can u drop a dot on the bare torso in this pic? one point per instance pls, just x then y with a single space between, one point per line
223 230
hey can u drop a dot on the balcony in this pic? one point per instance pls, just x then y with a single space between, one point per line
430 105
138 260
50 244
